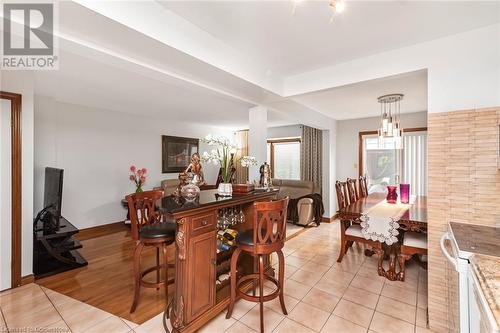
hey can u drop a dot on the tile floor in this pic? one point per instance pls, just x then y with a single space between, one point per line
321 296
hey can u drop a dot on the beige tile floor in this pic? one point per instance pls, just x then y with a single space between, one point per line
321 296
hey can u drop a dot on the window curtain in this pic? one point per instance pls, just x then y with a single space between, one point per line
414 162
241 138
311 156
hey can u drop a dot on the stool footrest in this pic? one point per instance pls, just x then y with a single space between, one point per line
257 299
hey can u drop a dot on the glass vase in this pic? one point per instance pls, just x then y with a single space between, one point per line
392 194
138 188
404 192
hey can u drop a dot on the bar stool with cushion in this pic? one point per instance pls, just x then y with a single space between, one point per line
147 229
267 236
413 243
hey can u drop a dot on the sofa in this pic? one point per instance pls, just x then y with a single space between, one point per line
295 189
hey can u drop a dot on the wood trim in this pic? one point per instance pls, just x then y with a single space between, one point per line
101 230
327 219
27 279
16 142
360 144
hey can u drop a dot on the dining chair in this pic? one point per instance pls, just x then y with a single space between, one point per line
340 188
414 243
267 236
350 231
363 187
352 190
147 229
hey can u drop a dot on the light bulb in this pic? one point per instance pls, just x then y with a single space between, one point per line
339 6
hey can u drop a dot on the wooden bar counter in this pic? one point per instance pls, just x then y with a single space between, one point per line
198 298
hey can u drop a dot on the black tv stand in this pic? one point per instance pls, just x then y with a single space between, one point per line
55 250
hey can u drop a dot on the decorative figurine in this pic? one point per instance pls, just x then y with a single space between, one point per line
196 169
265 175
190 179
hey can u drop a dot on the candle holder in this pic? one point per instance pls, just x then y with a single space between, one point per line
392 194
404 192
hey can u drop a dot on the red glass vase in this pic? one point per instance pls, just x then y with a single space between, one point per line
392 194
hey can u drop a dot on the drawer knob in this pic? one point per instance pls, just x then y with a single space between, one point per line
204 222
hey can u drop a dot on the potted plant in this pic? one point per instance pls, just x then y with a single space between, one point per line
223 155
138 176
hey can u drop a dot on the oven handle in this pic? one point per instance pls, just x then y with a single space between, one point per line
451 259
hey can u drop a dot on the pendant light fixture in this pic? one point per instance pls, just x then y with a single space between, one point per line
390 120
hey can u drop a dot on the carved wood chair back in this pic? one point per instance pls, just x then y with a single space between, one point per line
270 224
363 187
142 210
352 190
341 194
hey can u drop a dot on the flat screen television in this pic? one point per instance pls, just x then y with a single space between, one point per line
52 197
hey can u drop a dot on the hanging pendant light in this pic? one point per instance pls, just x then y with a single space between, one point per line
390 120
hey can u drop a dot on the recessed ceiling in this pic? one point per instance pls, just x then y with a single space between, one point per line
289 43
360 100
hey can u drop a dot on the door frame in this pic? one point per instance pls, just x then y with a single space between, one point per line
16 151
360 143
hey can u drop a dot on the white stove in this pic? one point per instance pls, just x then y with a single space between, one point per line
468 310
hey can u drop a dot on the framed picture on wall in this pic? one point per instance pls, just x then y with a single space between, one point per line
176 152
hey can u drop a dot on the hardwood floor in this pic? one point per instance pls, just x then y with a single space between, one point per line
107 282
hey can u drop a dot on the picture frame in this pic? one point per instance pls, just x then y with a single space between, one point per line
176 152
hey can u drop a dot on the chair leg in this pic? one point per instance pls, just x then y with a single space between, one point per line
281 280
158 270
165 263
137 275
261 292
234 262
342 242
255 270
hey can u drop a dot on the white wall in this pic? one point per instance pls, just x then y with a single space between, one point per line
257 139
95 148
348 137
22 83
463 70
284 131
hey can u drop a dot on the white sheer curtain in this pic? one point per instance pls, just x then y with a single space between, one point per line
386 165
414 162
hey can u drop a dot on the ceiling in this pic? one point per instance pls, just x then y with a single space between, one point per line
85 81
290 43
360 100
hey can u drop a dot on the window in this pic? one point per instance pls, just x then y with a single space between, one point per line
284 158
386 165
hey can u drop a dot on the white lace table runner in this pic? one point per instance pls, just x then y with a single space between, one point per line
380 223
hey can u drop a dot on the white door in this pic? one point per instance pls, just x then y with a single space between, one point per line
5 195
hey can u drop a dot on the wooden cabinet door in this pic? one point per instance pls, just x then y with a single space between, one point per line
201 274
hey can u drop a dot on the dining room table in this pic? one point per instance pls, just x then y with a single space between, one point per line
414 218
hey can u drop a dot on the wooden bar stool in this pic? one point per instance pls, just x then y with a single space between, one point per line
267 236
147 229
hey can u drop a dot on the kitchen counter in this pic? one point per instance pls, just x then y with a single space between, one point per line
487 271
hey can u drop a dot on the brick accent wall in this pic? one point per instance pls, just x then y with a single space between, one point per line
464 186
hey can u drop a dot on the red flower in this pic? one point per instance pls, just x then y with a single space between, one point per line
131 177
143 180
132 168
139 172
144 170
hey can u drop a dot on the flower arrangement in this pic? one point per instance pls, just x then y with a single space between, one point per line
223 155
138 176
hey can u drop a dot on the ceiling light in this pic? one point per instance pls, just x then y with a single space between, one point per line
390 120
338 6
